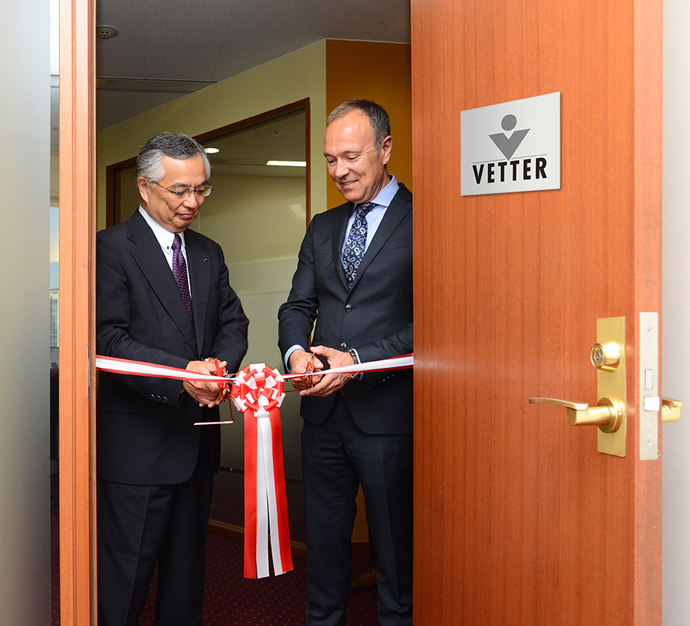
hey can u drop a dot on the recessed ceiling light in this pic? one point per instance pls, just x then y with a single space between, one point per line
288 163
211 150
107 32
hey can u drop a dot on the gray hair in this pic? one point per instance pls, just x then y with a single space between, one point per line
378 118
181 147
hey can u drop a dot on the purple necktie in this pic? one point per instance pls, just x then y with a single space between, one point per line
356 242
179 269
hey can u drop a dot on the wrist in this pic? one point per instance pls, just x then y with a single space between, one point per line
355 361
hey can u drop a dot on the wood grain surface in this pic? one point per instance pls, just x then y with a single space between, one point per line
518 519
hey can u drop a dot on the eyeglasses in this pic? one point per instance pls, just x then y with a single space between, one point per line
185 192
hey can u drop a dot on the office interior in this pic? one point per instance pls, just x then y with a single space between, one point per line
312 80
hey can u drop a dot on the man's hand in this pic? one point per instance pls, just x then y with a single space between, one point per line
206 394
300 362
332 382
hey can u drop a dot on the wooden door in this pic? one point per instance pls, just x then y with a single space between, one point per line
518 519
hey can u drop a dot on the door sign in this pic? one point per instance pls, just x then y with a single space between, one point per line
513 146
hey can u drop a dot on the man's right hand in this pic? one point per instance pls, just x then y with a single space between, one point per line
206 394
299 362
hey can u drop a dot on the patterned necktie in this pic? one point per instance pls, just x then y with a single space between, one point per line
179 269
356 242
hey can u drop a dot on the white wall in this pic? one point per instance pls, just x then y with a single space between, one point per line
676 312
24 313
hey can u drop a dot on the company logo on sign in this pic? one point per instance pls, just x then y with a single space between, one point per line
525 156
508 145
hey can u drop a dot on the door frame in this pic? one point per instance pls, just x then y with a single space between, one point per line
77 484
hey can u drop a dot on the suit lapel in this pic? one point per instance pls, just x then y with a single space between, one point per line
200 278
149 257
396 211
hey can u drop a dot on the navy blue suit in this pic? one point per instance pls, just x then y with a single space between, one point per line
155 468
363 433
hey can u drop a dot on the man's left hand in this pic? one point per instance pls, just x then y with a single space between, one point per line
206 394
330 382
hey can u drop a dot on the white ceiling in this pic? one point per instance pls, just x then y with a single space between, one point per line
166 48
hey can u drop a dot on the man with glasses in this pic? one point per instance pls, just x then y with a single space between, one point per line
162 296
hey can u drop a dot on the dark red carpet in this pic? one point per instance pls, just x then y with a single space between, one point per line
232 600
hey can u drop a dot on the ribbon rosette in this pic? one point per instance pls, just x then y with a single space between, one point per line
258 393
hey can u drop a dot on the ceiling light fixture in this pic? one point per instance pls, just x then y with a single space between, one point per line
107 32
211 150
288 163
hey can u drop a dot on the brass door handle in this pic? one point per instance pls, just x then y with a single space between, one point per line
670 409
608 413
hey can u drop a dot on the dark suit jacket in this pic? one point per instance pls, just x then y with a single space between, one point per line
145 431
375 317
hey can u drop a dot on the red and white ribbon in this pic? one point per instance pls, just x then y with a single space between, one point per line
138 368
258 393
384 365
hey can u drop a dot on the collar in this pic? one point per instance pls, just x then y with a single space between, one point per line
385 196
164 236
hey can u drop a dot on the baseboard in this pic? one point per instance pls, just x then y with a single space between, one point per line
230 530
360 549
237 532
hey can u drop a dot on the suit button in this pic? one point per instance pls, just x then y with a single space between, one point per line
343 346
165 398
158 398
153 397
348 308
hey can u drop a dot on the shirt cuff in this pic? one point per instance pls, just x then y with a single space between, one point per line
288 353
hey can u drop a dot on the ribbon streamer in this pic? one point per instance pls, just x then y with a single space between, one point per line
258 393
